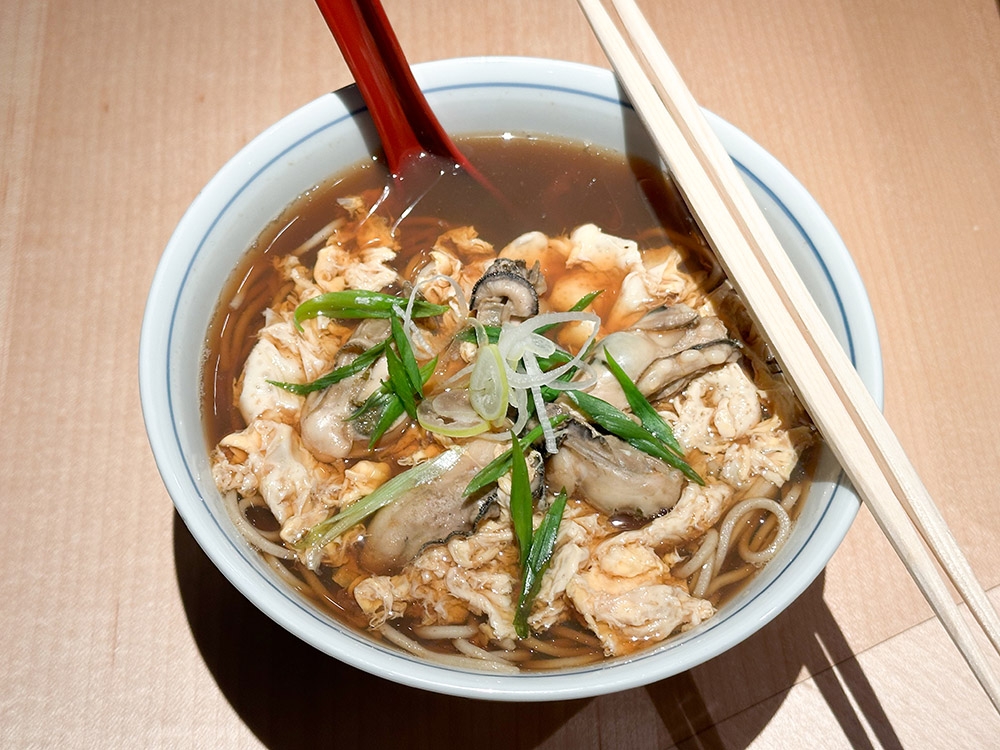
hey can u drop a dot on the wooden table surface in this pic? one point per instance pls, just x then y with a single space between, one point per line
115 630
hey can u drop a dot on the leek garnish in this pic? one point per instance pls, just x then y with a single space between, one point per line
393 410
362 362
383 408
356 304
536 546
641 407
543 543
406 357
493 332
557 358
501 464
578 306
584 302
387 404
406 379
375 402
400 383
469 334
551 394
520 499
620 425
326 531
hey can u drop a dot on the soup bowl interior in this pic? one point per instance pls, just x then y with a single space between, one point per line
472 96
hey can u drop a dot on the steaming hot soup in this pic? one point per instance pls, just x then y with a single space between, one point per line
503 437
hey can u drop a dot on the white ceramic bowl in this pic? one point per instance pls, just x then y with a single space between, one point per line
478 95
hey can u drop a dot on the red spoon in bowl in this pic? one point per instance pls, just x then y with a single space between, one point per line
416 146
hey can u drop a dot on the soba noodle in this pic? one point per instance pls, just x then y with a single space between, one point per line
665 514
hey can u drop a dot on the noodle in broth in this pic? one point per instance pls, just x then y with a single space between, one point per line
625 573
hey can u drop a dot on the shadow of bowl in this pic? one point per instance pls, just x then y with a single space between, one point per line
290 694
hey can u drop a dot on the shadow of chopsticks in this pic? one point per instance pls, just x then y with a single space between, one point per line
711 712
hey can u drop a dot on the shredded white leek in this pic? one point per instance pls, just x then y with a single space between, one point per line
519 397
517 339
489 393
462 304
531 365
521 344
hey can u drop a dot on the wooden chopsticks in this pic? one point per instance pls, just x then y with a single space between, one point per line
803 342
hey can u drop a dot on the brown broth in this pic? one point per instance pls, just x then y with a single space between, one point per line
553 187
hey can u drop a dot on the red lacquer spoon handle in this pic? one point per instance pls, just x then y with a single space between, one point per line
404 120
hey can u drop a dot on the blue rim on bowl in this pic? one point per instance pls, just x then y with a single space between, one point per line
470 96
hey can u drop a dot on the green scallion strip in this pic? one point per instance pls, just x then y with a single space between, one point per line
578 306
500 465
585 300
386 406
356 304
520 500
378 397
362 362
641 407
377 401
469 335
393 410
550 394
405 350
557 358
326 531
543 544
400 383
620 425
385 401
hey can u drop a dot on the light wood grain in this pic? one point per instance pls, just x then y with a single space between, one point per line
114 628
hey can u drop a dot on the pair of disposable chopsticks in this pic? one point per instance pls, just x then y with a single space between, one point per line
803 342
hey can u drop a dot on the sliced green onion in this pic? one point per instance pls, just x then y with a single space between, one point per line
405 350
400 383
578 306
356 304
393 410
362 362
469 334
375 402
520 499
457 425
500 465
585 300
649 417
620 425
379 394
326 531
493 332
551 394
384 402
557 358
543 544
385 407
